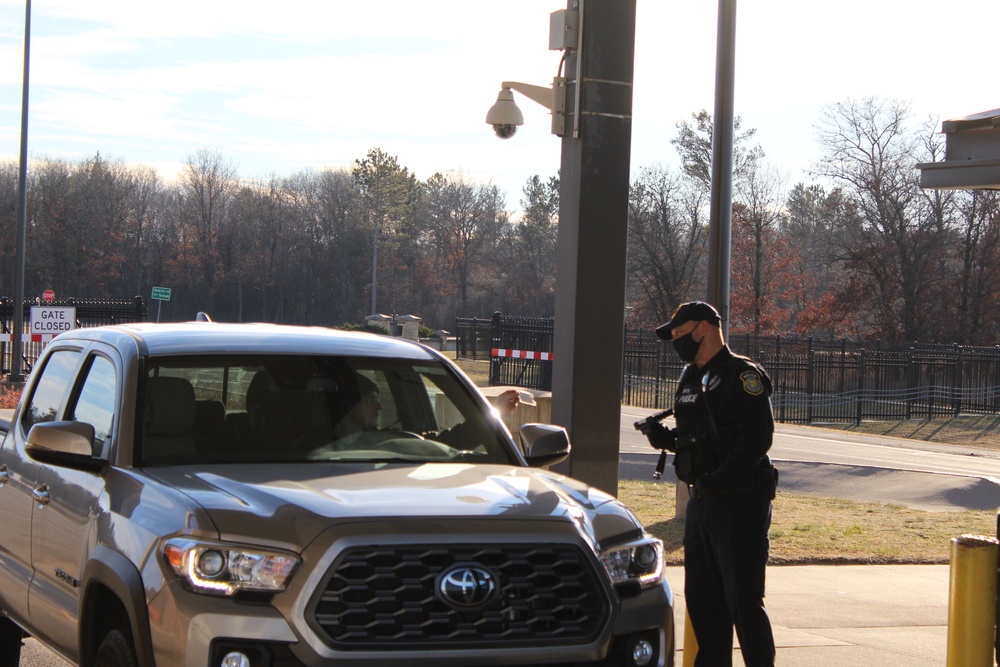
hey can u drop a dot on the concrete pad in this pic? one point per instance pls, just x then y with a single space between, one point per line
850 615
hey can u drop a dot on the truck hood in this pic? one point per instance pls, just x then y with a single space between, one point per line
292 503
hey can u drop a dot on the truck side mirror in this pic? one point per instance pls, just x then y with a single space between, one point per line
67 443
544 444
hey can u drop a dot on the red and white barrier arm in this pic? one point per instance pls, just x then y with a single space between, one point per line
522 354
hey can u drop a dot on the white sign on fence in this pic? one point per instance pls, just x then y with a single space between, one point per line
52 319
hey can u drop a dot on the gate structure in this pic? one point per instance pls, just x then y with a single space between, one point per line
89 313
521 353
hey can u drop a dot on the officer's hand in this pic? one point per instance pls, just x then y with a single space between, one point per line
659 436
706 486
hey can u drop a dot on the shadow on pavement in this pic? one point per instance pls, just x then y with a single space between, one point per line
933 492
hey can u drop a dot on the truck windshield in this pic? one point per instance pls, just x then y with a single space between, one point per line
284 408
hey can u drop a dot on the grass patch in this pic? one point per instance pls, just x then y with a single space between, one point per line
809 529
478 371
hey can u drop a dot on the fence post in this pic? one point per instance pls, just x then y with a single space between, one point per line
956 382
139 304
781 403
911 374
5 302
496 337
861 387
930 393
810 371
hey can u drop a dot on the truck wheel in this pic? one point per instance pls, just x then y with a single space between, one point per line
10 643
116 651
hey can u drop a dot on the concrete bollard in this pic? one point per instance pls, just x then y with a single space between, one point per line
972 601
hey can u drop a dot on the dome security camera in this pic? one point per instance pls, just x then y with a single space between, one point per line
504 116
505 130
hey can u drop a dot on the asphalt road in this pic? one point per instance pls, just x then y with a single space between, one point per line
814 461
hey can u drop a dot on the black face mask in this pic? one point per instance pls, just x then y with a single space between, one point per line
686 347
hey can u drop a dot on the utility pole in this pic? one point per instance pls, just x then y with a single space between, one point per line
22 214
720 229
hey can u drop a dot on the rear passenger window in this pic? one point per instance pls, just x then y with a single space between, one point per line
51 388
96 403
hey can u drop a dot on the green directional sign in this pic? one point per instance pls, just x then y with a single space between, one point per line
161 294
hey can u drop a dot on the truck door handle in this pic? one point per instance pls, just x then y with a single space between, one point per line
41 495
4 475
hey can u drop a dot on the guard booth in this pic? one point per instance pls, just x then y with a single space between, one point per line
971 162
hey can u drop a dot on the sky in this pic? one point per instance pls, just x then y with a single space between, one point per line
279 87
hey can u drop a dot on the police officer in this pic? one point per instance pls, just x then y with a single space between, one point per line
723 434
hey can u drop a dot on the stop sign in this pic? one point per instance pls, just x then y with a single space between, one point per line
49 295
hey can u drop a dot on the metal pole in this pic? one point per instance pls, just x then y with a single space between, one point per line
721 209
22 213
593 228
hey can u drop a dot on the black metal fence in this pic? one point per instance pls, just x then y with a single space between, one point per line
473 338
815 380
89 313
519 348
835 381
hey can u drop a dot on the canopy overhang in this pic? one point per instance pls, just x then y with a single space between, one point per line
971 155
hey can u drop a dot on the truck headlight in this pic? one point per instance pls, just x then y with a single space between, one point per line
226 569
638 562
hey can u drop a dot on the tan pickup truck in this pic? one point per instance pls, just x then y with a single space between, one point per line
218 495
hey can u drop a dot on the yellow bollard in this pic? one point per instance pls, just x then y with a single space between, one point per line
972 606
690 642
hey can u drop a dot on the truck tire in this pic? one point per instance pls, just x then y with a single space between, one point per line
10 643
116 650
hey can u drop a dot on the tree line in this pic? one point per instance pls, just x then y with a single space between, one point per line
317 247
860 252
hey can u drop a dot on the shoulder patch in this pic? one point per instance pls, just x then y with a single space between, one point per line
752 383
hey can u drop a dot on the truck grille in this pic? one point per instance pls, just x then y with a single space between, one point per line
391 598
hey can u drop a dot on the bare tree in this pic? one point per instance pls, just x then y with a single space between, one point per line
462 220
762 256
974 295
668 232
207 183
894 243
523 267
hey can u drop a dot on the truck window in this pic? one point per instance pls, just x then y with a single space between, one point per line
51 388
96 403
303 408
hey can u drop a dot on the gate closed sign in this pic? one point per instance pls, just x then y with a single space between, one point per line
52 319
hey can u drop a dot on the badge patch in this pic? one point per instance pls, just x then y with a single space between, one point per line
752 384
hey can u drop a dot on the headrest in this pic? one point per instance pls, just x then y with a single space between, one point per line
170 406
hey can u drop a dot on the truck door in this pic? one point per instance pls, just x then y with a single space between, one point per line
43 400
64 528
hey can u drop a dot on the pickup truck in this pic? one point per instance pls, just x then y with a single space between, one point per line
217 495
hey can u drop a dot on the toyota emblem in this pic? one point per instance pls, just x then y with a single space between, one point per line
467 586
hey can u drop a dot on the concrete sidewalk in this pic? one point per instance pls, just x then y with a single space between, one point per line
849 615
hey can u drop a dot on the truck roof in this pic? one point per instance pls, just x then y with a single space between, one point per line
225 338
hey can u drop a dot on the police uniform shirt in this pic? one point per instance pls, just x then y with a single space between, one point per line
734 393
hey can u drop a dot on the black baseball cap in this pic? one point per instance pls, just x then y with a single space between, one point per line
691 311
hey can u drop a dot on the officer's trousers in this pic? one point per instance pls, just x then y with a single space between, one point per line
725 555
